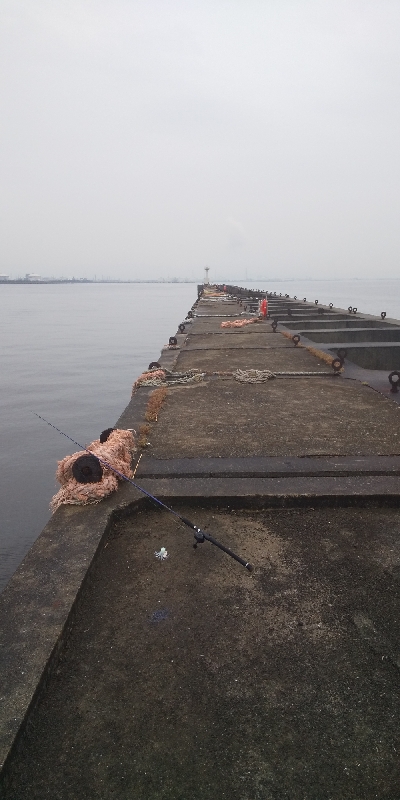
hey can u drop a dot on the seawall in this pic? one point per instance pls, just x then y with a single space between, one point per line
235 685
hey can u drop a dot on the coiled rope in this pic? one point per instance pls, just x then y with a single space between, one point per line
163 377
253 375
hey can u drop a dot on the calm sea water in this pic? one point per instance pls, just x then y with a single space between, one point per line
72 352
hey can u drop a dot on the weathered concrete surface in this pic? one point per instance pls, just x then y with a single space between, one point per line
209 325
257 467
193 679
273 358
355 335
36 604
247 337
372 355
350 322
285 318
132 416
282 492
228 419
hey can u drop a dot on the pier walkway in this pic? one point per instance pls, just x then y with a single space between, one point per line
193 679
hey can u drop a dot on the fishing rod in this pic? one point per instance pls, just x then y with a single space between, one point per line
199 534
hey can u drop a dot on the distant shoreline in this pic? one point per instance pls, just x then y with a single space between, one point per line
26 282
45 281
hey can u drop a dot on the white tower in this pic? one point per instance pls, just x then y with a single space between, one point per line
206 279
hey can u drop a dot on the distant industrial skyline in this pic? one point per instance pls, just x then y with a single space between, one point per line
239 281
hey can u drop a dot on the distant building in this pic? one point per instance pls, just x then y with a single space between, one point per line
4 277
30 276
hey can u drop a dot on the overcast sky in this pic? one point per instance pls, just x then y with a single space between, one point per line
148 138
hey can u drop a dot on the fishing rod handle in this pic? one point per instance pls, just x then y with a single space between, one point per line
229 552
190 524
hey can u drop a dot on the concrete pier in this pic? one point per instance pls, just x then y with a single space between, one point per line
192 678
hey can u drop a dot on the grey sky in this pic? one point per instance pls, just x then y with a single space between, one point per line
149 138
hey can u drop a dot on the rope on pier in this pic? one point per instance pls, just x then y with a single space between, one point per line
253 375
313 350
163 377
116 451
321 356
239 323
185 377
154 404
154 377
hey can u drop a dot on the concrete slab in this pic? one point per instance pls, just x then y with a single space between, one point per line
214 325
377 379
382 356
205 309
259 328
285 318
244 339
355 335
228 419
281 358
193 679
256 467
133 414
281 492
35 609
350 322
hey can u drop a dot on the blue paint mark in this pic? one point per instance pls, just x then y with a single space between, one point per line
158 616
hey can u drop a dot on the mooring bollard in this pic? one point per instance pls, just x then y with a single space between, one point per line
394 380
337 365
87 469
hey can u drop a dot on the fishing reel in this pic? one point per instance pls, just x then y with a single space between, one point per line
199 537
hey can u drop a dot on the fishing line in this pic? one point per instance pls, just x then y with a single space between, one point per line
199 534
